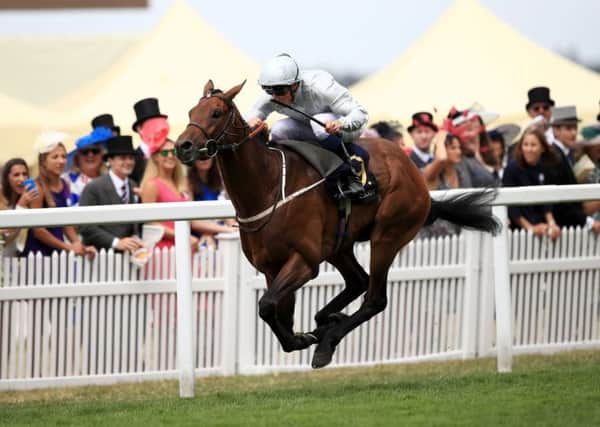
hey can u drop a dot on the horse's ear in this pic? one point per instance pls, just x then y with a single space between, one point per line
231 93
208 88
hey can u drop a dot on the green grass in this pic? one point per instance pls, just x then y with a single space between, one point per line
560 390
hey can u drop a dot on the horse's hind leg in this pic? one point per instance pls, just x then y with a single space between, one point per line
276 307
357 282
383 251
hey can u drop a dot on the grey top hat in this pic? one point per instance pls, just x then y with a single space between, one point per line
564 116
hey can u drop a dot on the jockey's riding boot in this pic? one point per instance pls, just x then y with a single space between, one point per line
353 188
353 181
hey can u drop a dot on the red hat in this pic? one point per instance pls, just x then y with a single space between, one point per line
422 119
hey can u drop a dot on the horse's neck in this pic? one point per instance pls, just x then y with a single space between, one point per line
252 176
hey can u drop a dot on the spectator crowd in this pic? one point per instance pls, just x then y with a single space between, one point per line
104 168
459 151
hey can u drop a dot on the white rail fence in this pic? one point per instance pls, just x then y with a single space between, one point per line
65 320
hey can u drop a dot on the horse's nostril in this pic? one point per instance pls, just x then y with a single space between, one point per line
186 146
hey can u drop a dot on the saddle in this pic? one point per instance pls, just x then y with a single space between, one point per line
329 165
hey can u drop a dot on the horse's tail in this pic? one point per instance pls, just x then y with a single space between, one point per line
469 210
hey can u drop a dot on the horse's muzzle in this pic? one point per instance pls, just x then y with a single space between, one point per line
188 152
185 152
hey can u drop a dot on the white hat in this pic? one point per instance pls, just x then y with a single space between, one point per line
487 117
48 140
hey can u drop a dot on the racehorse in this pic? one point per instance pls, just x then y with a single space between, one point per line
290 237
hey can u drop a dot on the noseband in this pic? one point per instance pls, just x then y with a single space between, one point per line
213 145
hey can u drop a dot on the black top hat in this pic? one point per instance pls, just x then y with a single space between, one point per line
146 109
539 94
119 145
422 118
107 121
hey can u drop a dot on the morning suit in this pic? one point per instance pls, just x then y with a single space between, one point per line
102 191
565 214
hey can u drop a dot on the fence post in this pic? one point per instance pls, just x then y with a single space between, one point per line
185 338
247 318
229 247
486 322
504 334
471 294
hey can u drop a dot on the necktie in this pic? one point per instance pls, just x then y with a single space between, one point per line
571 157
124 198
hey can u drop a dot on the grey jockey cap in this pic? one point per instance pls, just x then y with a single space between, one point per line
281 70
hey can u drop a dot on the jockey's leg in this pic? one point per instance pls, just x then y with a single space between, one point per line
355 157
289 128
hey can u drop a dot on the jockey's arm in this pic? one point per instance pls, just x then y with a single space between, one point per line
260 111
353 116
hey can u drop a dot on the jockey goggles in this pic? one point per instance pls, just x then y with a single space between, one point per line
277 90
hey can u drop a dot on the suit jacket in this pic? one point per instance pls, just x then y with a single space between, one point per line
101 191
139 168
417 160
565 214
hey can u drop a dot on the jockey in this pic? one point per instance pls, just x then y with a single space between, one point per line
316 93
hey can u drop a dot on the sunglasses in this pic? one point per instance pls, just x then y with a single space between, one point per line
540 107
165 153
94 151
277 90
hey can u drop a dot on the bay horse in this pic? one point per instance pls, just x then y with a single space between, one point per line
291 237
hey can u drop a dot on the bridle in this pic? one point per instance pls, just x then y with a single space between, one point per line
213 145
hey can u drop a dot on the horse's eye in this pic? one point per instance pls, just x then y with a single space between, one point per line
216 114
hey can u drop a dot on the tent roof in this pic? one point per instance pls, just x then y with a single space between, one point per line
19 125
42 69
19 113
472 56
172 64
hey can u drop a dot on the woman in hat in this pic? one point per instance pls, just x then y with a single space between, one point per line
85 161
499 138
443 174
54 192
533 158
16 194
164 181
478 158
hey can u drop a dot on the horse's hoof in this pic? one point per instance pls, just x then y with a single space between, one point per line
323 355
305 340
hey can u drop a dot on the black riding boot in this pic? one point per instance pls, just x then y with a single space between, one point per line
354 187
350 182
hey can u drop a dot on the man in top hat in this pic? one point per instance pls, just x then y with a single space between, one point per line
422 130
152 126
106 121
114 188
564 123
540 104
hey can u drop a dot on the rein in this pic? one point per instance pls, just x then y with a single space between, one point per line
211 147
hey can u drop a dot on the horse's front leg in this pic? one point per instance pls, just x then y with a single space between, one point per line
276 307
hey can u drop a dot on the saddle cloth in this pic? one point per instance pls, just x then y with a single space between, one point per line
324 161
